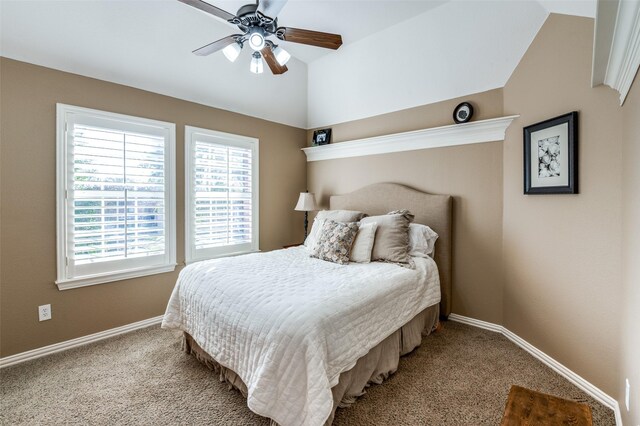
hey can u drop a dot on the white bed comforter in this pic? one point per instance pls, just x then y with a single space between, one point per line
289 324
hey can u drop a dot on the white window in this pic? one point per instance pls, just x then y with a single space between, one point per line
221 194
115 197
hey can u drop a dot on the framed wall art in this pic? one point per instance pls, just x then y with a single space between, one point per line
463 113
321 137
551 156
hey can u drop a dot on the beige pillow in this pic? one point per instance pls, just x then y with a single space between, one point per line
392 237
344 216
363 245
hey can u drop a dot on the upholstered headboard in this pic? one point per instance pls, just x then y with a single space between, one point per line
429 209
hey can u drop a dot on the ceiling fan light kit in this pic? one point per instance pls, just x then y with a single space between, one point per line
256 39
257 25
256 66
232 51
282 56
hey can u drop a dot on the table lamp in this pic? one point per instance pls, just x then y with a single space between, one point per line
306 204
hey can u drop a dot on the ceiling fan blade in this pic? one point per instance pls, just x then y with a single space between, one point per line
313 38
206 7
270 58
215 46
271 8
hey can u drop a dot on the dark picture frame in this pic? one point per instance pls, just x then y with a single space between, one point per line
321 137
463 113
551 156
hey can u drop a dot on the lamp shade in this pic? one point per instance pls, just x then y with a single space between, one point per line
282 56
232 51
306 202
256 65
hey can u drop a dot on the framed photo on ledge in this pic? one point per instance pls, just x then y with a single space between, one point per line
551 156
321 137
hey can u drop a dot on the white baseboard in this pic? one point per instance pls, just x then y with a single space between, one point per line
476 323
574 378
73 343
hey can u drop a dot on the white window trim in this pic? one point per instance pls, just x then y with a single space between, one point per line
63 281
189 132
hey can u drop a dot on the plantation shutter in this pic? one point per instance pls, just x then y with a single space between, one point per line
222 194
117 196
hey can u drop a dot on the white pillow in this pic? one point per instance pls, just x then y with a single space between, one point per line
422 240
314 234
363 244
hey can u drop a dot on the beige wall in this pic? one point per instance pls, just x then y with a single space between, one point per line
630 341
486 105
547 267
562 252
472 174
28 168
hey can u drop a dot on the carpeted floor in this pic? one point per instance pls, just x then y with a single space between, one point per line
459 376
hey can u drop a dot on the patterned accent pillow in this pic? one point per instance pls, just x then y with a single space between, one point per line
336 239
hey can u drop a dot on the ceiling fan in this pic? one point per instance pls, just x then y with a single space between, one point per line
257 22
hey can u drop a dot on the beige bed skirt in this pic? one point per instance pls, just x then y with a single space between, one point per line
374 367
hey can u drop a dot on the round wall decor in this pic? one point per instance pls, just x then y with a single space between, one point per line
463 112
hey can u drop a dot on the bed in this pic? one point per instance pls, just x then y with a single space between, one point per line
300 337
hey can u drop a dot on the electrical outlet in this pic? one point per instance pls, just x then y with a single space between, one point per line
44 312
627 392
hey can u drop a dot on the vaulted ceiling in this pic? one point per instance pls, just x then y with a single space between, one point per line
396 54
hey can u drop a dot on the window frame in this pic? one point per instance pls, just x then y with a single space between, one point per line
65 280
229 139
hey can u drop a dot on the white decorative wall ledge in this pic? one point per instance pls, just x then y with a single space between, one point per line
616 47
436 137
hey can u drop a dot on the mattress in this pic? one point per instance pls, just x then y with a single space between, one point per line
288 325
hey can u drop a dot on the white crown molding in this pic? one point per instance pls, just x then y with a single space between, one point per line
458 134
616 51
80 341
556 366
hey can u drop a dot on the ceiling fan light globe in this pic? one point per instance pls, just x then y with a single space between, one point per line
282 56
232 51
256 41
256 66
